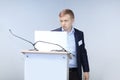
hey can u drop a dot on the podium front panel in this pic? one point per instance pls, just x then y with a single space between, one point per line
46 67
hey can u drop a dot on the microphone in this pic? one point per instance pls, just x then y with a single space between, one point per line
33 44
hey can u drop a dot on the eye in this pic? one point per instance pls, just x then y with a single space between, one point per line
66 20
61 20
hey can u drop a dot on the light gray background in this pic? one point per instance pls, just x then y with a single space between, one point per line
99 19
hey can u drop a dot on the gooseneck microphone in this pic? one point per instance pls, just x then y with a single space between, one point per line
23 39
33 44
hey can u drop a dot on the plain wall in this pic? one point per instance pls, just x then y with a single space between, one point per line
99 19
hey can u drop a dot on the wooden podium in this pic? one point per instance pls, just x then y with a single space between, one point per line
46 65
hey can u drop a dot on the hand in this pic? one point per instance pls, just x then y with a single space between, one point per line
86 76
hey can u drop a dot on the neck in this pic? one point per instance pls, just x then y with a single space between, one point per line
69 29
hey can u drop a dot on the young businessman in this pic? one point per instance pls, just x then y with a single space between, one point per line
76 46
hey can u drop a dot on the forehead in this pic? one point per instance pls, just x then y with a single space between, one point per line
67 16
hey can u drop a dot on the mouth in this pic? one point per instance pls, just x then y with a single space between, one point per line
64 27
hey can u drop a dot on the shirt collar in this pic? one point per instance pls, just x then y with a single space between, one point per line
71 32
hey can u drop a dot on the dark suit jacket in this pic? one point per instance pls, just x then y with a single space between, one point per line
82 59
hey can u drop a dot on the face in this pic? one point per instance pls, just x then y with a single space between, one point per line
66 22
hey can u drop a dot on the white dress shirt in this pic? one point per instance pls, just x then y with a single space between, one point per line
71 47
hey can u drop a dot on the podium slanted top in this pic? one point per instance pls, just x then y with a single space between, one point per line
46 52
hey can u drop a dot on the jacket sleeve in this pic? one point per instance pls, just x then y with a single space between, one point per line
84 57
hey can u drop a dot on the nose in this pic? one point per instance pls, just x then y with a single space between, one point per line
63 23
